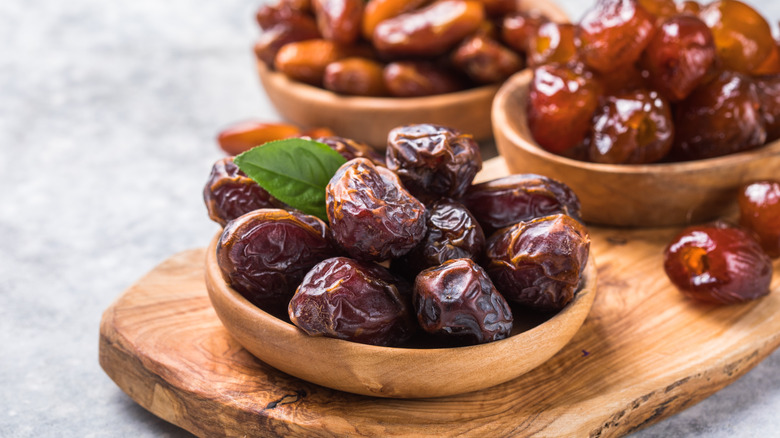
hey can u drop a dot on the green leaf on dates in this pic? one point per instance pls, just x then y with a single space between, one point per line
294 171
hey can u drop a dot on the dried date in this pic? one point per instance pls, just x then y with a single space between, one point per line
419 78
356 301
457 299
371 214
351 149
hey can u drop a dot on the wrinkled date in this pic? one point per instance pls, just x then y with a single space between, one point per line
351 149
720 117
419 78
356 301
433 161
458 299
718 263
539 263
521 197
759 208
229 193
371 215
264 255
453 233
429 31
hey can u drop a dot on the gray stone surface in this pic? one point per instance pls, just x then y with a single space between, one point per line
108 112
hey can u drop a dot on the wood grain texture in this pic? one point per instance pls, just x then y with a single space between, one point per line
644 353
629 195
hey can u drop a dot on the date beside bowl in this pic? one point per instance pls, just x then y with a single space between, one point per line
369 119
394 372
629 195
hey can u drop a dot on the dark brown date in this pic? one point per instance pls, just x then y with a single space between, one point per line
433 161
265 254
759 211
485 60
299 28
506 201
453 233
613 34
679 56
339 20
457 299
718 263
633 127
229 193
355 77
371 214
720 117
429 31
359 302
419 78
539 263
351 149
268 16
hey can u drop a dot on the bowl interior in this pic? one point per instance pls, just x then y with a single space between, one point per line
629 195
369 119
417 372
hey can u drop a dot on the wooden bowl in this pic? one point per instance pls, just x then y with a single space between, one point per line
392 372
629 195
369 119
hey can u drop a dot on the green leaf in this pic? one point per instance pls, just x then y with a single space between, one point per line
294 171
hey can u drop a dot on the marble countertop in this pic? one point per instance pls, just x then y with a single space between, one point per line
108 113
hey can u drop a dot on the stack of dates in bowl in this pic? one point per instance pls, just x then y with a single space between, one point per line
411 279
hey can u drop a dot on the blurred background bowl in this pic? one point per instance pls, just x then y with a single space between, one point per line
369 119
395 372
629 195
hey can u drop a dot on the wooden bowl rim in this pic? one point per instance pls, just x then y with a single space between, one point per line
583 299
522 79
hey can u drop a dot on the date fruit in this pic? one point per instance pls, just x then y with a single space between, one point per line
553 43
613 34
377 11
429 31
679 56
351 149
759 208
305 61
265 254
453 233
539 263
433 161
300 28
485 60
355 77
229 193
720 117
419 78
561 103
632 127
339 20
718 263
768 88
359 302
518 29
457 299
371 214
242 136
516 198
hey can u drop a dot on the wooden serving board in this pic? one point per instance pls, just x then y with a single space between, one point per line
644 353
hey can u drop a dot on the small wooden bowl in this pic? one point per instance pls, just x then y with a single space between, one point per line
369 119
392 372
629 195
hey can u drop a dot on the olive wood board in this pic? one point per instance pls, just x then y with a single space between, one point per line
644 353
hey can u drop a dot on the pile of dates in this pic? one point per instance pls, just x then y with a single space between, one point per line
398 48
645 81
410 244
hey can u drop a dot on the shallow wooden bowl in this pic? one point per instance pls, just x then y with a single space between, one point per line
629 195
392 372
369 119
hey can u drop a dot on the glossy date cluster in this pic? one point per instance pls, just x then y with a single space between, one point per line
646 81
401 48
420 212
